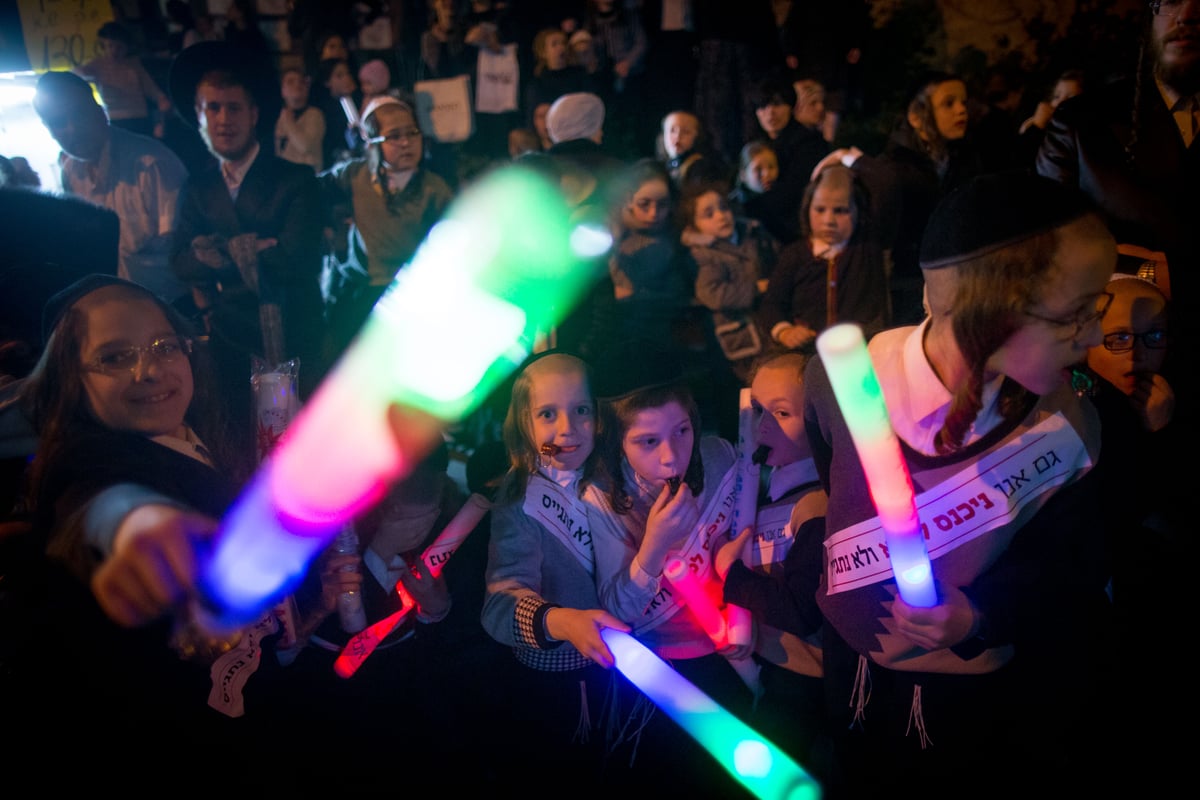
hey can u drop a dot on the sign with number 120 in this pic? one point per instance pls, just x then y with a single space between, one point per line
61 34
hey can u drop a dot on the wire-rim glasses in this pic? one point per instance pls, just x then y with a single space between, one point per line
1082 319
164 350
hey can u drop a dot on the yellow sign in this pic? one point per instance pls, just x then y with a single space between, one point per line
61 34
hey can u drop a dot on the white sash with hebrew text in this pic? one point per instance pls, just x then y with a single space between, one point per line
562 514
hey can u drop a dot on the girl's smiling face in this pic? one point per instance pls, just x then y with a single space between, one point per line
658 443
152 396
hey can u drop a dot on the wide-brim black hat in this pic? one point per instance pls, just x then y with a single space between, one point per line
255 69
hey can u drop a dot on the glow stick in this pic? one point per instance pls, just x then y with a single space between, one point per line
745 508
363 643
856 387
765 770
457 529
710 616
507 259
703 608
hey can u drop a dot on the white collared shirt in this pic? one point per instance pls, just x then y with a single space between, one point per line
234 172
917 401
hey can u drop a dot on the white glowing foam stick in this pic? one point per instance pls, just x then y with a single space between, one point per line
745 508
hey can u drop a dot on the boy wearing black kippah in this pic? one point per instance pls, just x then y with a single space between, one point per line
1004 680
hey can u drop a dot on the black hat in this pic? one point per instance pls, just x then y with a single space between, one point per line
58 304
634 366
254 68
994 211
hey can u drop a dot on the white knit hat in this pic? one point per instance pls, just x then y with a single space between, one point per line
578 115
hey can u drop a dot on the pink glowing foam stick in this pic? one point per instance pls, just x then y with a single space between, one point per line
844 353
705 611
709 615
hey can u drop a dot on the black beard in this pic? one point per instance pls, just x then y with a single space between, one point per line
1183 78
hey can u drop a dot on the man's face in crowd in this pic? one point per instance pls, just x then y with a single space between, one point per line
227 117
1176 42
75 121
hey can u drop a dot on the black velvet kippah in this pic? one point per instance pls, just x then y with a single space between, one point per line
994 211
58 304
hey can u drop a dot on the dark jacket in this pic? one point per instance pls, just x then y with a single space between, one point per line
277 199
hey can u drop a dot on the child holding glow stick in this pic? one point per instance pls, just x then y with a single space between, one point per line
541 598
1006 679
784 544
133 470
663 490
417 691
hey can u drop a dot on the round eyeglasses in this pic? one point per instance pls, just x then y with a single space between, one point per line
1123 341
126 359
1082 318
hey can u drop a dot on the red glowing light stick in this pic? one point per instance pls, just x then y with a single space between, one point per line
709 615
706 612
363 643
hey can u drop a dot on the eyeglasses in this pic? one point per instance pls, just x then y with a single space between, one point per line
1165 8
411 134
1122 341
1082 318
166 350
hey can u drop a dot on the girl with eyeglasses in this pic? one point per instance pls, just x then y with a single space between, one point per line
132 470
1130 357
379 208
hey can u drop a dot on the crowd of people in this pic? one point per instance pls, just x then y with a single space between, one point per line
1027 300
